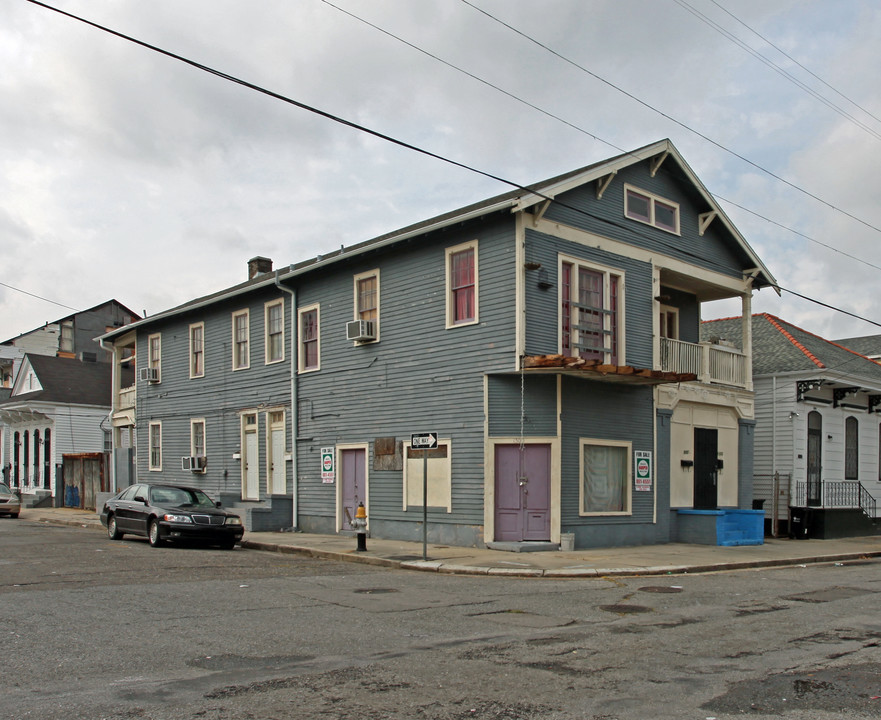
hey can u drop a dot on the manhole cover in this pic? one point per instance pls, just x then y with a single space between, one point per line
625 609
374 591
661 589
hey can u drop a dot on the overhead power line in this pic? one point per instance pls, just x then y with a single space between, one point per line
39 297
671 118
776 68
789 57
388 138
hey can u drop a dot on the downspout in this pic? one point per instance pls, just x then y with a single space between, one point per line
295 425
114 383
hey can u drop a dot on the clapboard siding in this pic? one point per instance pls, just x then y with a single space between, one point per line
580 208
218 397
543 306
539 406
419 377
603 411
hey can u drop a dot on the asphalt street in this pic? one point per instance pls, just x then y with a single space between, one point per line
98 629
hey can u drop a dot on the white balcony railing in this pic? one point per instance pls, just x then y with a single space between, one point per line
715 364
127 398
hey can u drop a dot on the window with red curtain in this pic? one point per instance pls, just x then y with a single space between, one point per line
309 338
462 286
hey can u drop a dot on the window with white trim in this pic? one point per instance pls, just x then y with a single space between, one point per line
309 355
154 354
197 440
651 209
605 487
591 312
241 340
851 448
197 350
367 299
154 440
274 312
461 264
669 322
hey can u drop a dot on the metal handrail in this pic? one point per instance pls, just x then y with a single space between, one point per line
838 494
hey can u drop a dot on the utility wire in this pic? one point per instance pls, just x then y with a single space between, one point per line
671 118
39 297
566 122
395 141
789 57
776 68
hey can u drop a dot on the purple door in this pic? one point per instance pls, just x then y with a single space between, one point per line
352 485
523 492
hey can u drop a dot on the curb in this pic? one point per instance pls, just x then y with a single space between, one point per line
438 566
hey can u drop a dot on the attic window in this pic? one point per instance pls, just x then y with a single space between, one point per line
650 209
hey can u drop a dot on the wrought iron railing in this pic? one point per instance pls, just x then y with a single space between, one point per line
711 363
836 494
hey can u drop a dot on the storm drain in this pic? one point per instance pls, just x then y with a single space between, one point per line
661 589
374 591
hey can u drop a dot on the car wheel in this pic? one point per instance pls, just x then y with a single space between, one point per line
153 533
112 530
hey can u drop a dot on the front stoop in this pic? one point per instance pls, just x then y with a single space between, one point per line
525 546
724 527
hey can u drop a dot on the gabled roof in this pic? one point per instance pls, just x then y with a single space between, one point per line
67 381
73 315
779 347
512 201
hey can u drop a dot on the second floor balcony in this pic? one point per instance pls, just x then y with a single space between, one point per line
712 363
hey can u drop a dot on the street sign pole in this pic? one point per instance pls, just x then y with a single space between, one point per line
424 505
424 442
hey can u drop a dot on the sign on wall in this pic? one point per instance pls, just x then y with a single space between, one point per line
643 466
328 468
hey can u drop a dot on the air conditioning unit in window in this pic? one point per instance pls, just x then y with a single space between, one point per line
149 375
359 330
193 463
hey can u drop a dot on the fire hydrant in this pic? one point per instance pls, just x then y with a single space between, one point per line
359 525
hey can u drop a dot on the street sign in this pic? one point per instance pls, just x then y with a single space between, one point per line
423 441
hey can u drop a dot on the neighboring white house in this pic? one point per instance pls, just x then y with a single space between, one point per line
817 455
57 406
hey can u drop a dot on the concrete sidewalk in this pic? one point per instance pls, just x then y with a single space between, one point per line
673 558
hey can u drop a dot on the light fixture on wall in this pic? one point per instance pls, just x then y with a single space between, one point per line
793 414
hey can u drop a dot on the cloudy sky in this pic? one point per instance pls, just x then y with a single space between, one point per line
127 174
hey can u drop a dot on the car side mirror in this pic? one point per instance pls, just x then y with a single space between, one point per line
140 499
218 503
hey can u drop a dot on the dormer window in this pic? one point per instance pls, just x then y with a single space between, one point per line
650 209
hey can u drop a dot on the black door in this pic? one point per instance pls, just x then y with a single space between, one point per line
706 454
815 457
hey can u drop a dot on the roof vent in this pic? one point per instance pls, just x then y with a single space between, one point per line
258 266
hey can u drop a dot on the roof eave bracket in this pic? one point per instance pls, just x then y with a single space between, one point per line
704 220
604 182
657 161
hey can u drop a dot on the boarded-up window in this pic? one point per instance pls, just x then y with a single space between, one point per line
439 477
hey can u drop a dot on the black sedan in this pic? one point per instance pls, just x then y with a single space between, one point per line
170 512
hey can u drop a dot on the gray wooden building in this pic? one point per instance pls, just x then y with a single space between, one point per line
549 337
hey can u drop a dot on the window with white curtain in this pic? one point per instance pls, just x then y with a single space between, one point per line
605 477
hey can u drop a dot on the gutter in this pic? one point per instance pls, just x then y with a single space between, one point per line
114 382
294 401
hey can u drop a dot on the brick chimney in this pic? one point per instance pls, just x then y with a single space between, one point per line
258 266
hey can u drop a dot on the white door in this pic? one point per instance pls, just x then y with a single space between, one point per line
276 453
250 459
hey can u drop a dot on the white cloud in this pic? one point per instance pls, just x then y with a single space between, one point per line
121 169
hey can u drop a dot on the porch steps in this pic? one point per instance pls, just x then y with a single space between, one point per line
525 546
269 515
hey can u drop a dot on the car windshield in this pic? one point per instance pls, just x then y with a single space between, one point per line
4 489
180 497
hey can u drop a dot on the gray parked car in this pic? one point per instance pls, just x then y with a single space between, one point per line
10 504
